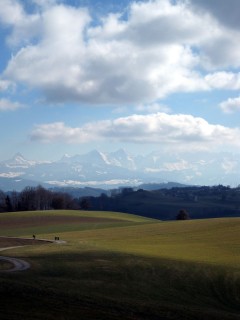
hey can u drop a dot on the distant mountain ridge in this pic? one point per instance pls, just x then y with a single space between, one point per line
116 169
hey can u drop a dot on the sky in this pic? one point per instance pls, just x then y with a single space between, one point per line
77 75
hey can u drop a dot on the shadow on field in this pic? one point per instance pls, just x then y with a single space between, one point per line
107 285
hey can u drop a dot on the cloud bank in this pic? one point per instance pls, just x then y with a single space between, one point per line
159 48
160 128
231 105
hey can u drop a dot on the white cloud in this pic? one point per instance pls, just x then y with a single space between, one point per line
231 105
101 183
161 22
4 85
11 12
11 174
7 105
221 51
221 46
24 26
178 130
110 63
154 52
224 80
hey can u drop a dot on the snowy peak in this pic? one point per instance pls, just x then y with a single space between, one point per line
120 153
121 159
92 157
19 161
95 157
66 158
18 157
119 168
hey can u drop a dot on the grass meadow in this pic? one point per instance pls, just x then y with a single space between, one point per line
120 266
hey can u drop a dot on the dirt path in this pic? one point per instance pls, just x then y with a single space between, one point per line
19 264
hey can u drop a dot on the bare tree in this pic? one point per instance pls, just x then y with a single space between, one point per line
2 201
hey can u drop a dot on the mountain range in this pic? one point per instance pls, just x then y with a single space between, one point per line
116 169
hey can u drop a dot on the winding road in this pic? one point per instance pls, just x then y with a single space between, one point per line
18 264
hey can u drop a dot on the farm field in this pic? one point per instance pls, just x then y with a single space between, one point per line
120 266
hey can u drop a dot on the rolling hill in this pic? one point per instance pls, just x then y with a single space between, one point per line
120 266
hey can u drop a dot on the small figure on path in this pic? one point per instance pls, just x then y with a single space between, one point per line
34 237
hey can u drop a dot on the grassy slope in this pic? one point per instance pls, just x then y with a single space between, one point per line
38 226
135 269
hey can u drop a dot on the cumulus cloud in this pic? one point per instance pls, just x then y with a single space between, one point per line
145 57
11 12
7 105
224 80
226 12
220 49
231 105
25 27
160 128
160 47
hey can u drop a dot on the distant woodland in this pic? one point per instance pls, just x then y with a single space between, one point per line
35 198
198 202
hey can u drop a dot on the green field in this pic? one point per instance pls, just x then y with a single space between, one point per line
120 266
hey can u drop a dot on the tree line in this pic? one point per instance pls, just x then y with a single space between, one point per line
164 204
36 198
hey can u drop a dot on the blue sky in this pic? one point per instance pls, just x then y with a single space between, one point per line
140 75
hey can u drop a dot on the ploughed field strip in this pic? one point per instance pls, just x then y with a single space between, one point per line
20 222
6 242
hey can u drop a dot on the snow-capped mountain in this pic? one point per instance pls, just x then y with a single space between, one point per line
119 159
110 170
18 161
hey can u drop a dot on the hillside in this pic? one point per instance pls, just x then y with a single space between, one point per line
120 266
